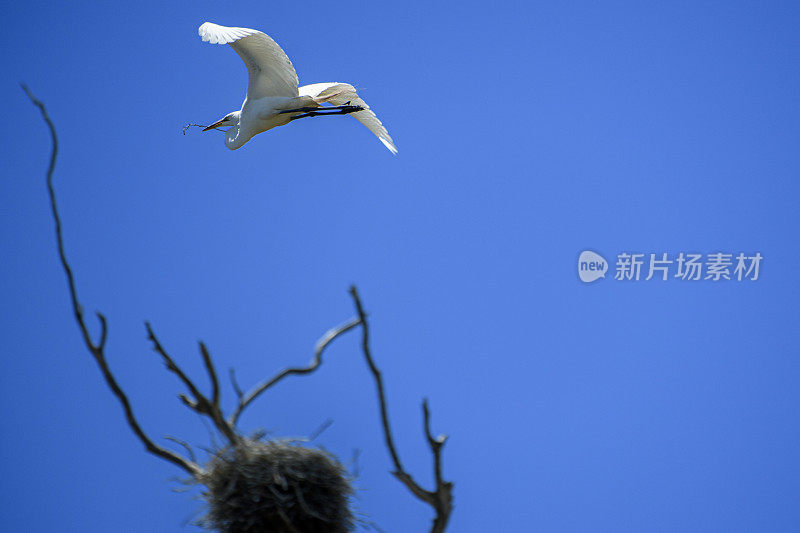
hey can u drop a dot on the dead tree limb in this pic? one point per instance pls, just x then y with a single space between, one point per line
98 349
441 498
322 343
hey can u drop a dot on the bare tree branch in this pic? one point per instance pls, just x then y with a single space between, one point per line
443 495
212 373
320 430
441 499
184 445
200 402
237 389
436 444
322 343
97 349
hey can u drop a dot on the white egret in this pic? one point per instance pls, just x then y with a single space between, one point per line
273 96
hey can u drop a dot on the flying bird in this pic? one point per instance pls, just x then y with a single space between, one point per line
273 96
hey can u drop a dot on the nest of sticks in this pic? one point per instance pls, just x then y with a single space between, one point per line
276 486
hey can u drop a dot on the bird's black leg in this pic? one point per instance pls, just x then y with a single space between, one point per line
319 111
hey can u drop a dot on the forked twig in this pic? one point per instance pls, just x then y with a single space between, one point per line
441 499
200 402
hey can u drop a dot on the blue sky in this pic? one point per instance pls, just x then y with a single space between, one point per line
528 132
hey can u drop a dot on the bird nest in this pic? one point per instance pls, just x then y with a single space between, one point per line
276 487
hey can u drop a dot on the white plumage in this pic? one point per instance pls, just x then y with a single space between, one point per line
273 96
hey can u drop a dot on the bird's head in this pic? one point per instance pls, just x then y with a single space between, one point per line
231 119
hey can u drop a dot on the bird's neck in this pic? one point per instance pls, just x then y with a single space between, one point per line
236 136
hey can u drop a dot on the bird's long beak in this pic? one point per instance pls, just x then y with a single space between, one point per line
217 124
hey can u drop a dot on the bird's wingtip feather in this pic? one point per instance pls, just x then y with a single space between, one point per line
216 34
204 31
389 144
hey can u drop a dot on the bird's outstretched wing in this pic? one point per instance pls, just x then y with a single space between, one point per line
271 73
341 94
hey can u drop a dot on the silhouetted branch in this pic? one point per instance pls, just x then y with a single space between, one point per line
200 402
317 432
236 388
443 494
212 373
441 499
97 349
184 445
322 343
